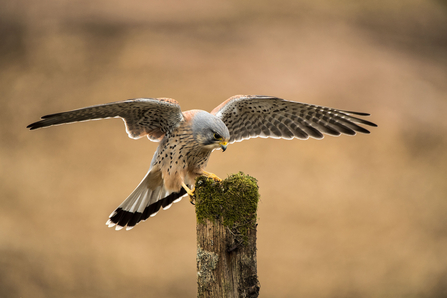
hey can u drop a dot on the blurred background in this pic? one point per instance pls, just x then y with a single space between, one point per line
361 216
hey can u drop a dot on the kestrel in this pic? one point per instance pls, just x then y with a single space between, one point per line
188 138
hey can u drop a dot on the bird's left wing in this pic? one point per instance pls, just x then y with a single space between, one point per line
151 117
251 116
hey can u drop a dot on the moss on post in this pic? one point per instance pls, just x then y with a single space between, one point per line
226 236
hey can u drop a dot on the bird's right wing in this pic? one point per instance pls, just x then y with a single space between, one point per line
151 117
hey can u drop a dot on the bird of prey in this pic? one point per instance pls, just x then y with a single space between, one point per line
188 138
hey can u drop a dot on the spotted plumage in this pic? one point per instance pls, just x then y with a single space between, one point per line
187 139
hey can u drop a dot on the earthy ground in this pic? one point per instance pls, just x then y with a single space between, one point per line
361 216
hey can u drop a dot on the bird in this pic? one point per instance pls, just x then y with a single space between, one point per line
186 139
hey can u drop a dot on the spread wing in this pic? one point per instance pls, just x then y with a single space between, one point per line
151 117
251 116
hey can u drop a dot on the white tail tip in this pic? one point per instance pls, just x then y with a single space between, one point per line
110 224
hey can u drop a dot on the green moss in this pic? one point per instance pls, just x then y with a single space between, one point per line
233 202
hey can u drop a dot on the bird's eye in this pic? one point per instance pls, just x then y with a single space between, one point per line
217 136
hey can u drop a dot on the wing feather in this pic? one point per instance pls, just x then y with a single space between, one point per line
151 117
251 116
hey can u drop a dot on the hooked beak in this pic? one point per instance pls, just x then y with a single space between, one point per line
223 145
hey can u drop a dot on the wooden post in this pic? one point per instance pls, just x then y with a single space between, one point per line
226 237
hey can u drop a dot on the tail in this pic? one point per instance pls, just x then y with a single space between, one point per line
144 202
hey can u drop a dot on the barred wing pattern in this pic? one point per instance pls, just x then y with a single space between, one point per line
151 117
251 116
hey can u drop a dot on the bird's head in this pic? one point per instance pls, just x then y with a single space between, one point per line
209 131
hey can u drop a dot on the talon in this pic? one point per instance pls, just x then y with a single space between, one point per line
212 176
188 190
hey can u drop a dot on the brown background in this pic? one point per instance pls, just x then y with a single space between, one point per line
362 216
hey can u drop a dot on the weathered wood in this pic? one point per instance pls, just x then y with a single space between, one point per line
226 237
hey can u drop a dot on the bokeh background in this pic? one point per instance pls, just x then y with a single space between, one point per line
362 216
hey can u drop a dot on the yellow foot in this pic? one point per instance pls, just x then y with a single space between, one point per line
190 193
211 175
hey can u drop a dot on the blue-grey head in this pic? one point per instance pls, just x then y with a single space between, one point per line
210 131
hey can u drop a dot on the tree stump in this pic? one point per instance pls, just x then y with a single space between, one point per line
226 237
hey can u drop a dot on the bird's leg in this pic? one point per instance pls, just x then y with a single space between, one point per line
190 192
211 175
